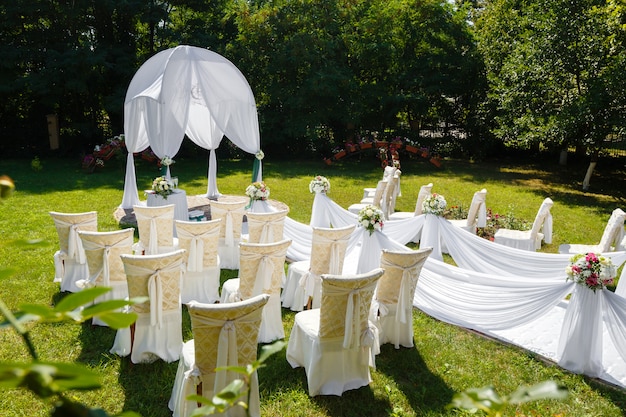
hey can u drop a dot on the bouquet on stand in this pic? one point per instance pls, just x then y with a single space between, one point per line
163 186
319 184
434 204
591 270
371 218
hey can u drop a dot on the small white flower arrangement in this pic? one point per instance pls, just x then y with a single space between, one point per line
259 155
258 191
167 161
434 204
371 218
319 184
163 186
591 270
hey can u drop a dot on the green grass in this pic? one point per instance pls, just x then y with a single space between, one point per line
407 382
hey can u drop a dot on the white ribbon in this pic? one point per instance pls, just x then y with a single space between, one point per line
227 352
353 312
89 245
155 287
266 269
153 242
405 299
74 247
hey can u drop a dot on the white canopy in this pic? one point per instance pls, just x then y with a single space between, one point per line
193 91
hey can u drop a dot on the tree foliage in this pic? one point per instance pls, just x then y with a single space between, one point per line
554 70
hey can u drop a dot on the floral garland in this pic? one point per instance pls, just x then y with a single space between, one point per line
371 218
591 270
163 186
434 204
319 184
258 191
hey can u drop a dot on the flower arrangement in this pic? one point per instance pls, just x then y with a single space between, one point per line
112 147
167 161
371 217
591 270
319 184
434 204
258 191
163 186
259 155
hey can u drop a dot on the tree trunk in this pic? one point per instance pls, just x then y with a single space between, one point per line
592 165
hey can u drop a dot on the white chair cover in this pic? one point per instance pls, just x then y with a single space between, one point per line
387 174
156 230
336 343
266 227
202 278
611 237
158 329
261 272
102 251
231 213
303 277
392 307
224 335
476 215
425 191
529 239
70 263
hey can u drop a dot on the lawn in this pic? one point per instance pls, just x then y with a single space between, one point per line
407 382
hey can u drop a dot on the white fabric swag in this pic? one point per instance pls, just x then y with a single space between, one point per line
189 91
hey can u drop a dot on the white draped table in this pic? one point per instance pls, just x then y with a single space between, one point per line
178 198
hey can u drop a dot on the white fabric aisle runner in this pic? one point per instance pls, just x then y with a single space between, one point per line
542 337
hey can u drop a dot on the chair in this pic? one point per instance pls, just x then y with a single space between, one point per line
390 194
476 215
378 195
529 239
202 277
261 270
611 237
102 251
231 214
70 263
335 343
392 308
156 230
157 333
387 174
223 335
266 227
328 250
425 191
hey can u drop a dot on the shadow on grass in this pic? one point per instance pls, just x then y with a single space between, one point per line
426 393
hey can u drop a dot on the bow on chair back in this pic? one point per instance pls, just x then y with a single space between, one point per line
156 227
231 213
261 268
345 308
328 249
200 240
103 251
157 277
68 225
477 214
225 335
266 227
398 283
425 191
613 232
543 221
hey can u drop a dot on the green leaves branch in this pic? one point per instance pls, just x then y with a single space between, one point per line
486 399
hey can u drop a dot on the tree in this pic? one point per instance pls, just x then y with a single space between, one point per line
553 67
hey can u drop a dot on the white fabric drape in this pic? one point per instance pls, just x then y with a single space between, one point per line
187 91
494 288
